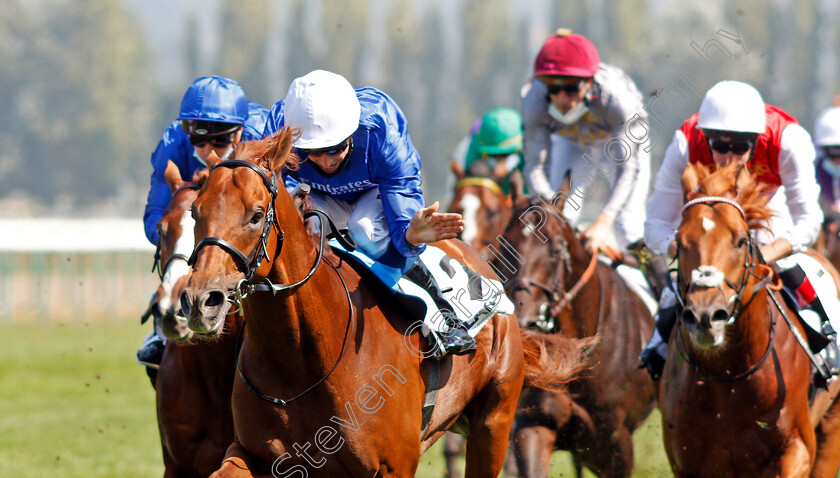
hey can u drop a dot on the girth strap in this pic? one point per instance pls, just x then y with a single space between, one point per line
432 387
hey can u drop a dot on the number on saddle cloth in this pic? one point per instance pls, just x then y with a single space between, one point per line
473 298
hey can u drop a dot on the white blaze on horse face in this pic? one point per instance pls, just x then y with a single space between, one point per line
178 268
708 224
470 203
707 276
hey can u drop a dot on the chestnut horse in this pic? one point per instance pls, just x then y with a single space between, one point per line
329 356
557 286
734 394
195 378
482 203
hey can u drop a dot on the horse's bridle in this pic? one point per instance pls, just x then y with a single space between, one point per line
251 263
557 297
752 258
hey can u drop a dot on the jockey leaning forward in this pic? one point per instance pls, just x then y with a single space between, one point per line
215 115
583 118
363 170
498 144
734 124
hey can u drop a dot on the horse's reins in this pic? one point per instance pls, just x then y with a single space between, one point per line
251 263
751 261
559 299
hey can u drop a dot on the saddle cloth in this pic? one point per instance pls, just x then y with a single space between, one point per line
474 299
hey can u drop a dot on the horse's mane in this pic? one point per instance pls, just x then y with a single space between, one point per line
262 151
732 181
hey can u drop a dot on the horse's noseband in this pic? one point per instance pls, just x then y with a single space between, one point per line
752 257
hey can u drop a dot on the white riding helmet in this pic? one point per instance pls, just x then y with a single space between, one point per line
827 127
732 106
325 108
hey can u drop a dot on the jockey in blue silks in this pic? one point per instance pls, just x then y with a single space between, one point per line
363 169
215 116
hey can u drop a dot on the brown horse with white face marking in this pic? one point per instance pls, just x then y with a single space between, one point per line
734 391
195 378
558 287
485 207
329 379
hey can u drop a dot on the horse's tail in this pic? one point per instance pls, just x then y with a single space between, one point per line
552 360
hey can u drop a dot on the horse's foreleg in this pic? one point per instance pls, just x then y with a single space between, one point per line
828 443
234 465
796 460
533 446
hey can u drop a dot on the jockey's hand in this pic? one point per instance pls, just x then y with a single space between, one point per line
430 226
776 250
596 235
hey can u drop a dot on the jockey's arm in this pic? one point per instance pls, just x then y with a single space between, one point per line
175 146
537 142
626 156
796 169
665 203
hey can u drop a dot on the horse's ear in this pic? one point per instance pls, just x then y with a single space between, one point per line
172 176
743 181
457 169
690 181
516 185
213 159
279 150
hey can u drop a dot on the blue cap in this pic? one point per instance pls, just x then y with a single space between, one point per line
216 99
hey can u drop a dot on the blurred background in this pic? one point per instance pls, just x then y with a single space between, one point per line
88 86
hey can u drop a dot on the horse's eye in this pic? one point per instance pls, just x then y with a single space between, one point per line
741 242
257 218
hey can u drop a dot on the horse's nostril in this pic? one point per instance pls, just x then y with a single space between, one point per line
185 303
720 314
688 316
215 299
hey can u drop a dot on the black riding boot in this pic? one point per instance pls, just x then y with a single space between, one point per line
456 340
798 285
653 357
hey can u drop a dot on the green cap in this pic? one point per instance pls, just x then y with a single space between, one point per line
500 133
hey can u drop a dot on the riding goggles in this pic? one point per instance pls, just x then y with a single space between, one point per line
215 141
737 147
331 150
832 151
207 128
568 88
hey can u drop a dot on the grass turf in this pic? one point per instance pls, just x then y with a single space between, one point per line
74 404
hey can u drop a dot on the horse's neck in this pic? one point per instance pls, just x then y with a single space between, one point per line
309 316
